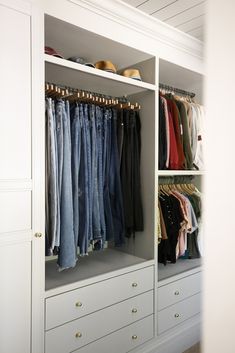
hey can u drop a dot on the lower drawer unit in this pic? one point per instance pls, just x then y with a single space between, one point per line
176 314
124 340
176 291
73 305
78 333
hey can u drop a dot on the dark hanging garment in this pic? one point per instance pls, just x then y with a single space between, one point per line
172 217
162 137
130 173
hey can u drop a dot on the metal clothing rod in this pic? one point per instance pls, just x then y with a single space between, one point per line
176 90
176 179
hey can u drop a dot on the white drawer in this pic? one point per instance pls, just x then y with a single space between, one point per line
176 314
75 334
124 340
77 303
176 291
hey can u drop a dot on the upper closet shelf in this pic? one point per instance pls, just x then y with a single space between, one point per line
179 172
68 73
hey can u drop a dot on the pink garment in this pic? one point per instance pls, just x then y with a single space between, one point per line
186 225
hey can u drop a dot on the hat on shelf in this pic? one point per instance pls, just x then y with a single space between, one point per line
53 52
80 60
106 65
132 73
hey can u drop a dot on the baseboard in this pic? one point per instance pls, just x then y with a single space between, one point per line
177 340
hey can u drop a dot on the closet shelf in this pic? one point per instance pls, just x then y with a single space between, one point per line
179 172
68 73
166 273
100 263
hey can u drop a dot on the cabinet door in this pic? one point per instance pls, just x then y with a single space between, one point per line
15 93
15 288
15 177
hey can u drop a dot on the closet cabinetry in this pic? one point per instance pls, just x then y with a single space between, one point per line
118 299
15 178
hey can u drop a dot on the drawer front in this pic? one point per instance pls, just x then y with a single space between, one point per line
124 340
77 303
78 333
179 290
176 314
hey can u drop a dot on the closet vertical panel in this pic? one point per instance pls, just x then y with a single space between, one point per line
38 176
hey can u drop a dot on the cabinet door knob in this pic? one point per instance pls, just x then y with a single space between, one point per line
78 304
134 337
38 235
177 292
177 315
78 335
134 310
134 284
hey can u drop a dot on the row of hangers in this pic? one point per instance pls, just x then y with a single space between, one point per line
177 93
75 95
188 188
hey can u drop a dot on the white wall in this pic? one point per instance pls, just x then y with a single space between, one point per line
219 280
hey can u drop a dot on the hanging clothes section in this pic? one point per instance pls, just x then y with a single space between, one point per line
179 215
180 130
93 192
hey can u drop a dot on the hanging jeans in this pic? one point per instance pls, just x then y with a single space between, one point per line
106 170
76 156
83 189
51 181
96 224
67 252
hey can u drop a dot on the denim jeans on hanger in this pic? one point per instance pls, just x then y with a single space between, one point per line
67 253
107 116
99 136
115 189
83 188
60 149
51 182
88 166
120 132
96 225
76 156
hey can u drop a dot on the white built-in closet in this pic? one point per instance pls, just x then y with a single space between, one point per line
116 300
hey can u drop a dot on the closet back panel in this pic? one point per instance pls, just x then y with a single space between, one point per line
179 77
15 110
70 40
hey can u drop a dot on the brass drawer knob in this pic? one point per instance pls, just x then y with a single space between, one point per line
177 292
38 235
177 315
78 335
78 304
134 284
134 310
134 337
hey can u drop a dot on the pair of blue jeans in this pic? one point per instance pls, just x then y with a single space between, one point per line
67 251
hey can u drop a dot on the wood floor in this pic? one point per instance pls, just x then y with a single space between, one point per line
194 349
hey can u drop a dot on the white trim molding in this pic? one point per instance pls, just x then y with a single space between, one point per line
135 19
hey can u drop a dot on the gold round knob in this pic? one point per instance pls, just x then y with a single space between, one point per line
177 315
134 284
78 304
78 335
134 310
177 292
134 337
38 235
